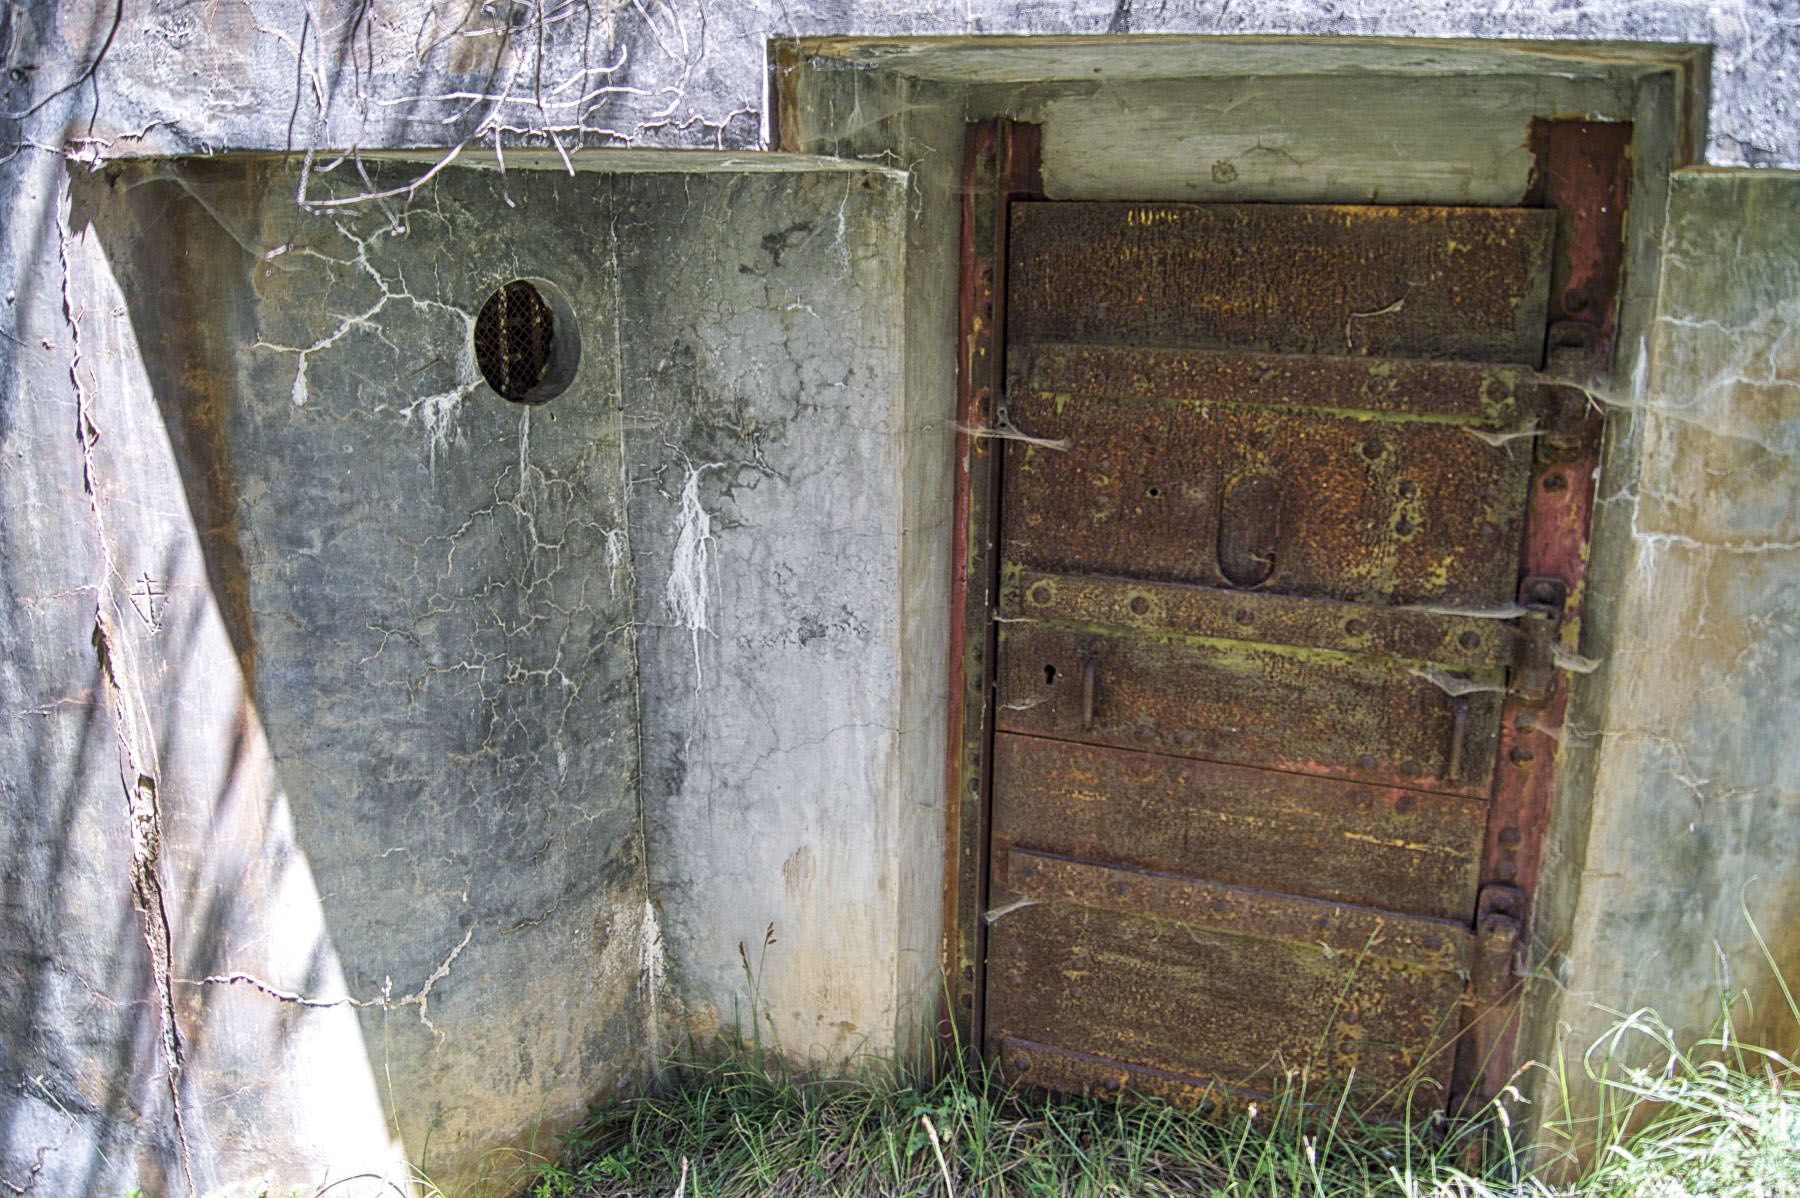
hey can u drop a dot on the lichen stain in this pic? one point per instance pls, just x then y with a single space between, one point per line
798 871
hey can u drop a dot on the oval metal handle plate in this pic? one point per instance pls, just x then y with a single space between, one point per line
1249 529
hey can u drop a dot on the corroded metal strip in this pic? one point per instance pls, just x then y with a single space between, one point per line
1584 173
971 559
1321 506
1286 278
1455 642
1192 1001
1309 711
1000 161
1402 850
1496 395
1415 941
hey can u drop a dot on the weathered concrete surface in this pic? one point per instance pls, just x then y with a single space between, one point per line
436 582
375 633
919 123
763 390
370 636
278 73
1696 812
83 1060
150 839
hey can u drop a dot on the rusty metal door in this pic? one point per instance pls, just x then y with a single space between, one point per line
1265 496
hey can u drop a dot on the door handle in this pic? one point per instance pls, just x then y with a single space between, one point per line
1090 682
1459 731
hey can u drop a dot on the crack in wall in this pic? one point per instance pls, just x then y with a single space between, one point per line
420 998
436 413
132 727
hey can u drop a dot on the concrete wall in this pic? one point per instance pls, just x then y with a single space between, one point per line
371 651
361 702
1696 806
278 73
766 411
176 607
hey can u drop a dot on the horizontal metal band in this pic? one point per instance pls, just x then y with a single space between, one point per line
1482 641
1409 281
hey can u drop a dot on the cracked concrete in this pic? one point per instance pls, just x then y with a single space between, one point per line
427 727
389 632
1696 809
426 772
281 75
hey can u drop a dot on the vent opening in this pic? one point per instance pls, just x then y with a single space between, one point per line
527 345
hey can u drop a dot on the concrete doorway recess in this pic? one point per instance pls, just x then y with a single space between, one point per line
1157 120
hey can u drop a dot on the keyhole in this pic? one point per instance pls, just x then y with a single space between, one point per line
1049 675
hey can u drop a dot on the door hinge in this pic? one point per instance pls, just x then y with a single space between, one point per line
1482 1058
1539 626
1499 935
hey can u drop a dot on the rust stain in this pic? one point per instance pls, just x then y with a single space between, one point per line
1496 396
1000 161
1583 173
1241 910
1424 635
1214 1004
1258 614
191 375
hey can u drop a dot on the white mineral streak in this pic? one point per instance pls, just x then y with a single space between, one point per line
690 566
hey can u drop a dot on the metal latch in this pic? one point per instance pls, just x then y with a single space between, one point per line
1539 626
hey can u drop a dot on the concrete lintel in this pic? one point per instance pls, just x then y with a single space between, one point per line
582 159
1037 59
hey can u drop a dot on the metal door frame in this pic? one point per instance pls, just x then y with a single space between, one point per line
1582 171
1001 163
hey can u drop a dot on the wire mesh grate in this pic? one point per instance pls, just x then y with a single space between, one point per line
515 333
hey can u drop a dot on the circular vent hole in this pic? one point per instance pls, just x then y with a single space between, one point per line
526 342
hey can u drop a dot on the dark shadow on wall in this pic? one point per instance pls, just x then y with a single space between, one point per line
385 670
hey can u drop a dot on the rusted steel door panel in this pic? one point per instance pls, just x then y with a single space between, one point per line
1269 477
1349 507
1313 711
1339 928
1285 278
1419 634
1402 850
1218 1004
1084 1073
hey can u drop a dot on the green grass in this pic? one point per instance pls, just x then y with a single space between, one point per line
1712 1118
